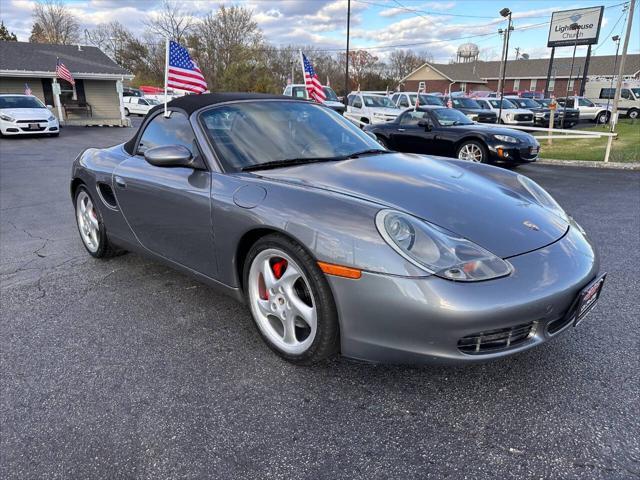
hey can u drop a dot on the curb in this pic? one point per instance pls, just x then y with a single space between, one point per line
591 164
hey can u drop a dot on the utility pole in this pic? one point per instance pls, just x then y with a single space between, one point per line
346 58
616 98
616 39
502 65
506 13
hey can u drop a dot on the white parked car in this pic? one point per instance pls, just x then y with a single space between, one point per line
370 108
138 105
298 90
24 115
588 109
408 99
511 114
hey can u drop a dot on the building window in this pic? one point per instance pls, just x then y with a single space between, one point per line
571 84
463 86
552 83
516 84
533 84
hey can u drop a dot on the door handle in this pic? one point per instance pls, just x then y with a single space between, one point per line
120 182
401 129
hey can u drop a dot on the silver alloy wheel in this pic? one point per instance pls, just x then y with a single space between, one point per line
88 222
471 152
282 302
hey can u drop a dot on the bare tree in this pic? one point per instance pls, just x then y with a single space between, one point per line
173 21
54 23
402 62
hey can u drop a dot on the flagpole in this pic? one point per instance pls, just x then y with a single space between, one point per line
166 74
304 80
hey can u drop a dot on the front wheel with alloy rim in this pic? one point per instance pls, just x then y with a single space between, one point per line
472 151
633 113
290 300
91 228
602 118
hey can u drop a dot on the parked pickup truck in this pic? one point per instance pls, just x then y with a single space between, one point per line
369 108
408 99
588 109
472 109
511 114
300 91
542 112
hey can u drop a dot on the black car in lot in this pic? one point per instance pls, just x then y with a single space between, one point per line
447 132
572 115
472 109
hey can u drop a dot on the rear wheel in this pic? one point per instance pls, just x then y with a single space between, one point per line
290 300
472 151
91 227
602 117
633 113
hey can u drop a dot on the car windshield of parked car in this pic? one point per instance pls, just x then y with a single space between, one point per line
526 103
426 100
545 102
506 104
330 94
378 101
152 101
450 116
250 134
636 92
465 103
19 101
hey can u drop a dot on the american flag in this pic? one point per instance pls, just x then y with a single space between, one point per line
64 73
183 71
311 81
27 90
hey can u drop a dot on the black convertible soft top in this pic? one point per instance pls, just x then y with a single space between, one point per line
191 103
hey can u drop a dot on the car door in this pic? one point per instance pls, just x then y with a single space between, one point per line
410 137
168 208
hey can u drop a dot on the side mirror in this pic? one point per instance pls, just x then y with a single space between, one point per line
424 124
169 156
50 107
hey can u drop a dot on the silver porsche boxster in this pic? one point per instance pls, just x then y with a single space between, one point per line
335 243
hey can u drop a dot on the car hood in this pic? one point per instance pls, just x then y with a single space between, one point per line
484 204
517 111
27 113
385 110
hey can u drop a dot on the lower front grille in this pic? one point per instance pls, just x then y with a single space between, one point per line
523 118
493 341
31 121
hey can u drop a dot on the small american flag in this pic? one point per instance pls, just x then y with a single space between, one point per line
64 73
311 81
27 90
183 71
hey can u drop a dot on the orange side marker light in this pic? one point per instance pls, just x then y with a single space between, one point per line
340 271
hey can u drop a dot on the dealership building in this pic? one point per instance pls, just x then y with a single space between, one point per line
521 75
96 97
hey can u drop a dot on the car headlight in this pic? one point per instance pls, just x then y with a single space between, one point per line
542 197
506 138
438 251
51 118
540 114
7 118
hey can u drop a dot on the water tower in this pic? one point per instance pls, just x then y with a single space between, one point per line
467 52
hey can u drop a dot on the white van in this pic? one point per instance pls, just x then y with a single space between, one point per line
331 101
370 108
138 105
601 92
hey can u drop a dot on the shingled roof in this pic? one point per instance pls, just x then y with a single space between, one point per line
25 57
479 72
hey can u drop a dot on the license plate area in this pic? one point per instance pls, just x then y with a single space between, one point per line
534 150
588 298
34 126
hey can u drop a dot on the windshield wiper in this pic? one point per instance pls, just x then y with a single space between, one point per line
371 151
289 162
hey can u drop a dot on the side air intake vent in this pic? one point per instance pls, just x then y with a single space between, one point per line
496 340
107 195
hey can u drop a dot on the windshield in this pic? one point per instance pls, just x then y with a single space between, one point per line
450 116
426 100
330 94
254 133
465 103
526 103
506 104
545 102
20 101
636 92
378 101
152 101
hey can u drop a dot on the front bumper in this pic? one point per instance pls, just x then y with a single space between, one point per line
21 128
393 319
513 153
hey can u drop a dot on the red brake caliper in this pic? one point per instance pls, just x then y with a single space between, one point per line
278 270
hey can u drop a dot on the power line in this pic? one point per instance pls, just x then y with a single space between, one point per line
417 11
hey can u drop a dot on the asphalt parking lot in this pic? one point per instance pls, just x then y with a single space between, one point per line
127 369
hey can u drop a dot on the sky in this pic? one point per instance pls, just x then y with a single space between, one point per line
435 27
